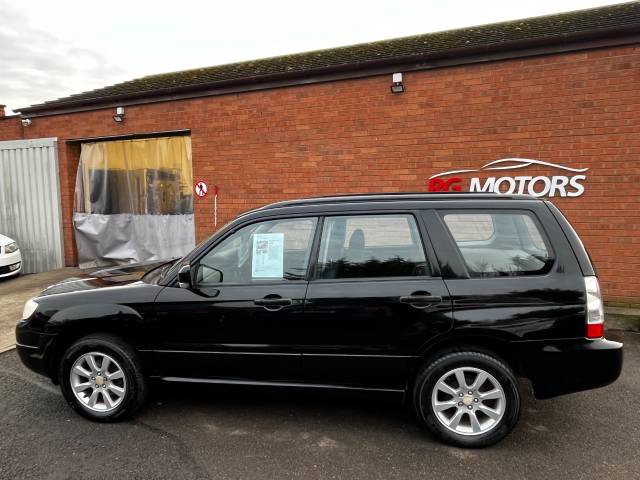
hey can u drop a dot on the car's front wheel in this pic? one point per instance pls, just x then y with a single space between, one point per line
101 378
467 398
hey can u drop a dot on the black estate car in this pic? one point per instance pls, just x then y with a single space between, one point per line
444 299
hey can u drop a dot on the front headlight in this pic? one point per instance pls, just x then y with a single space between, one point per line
29 307
12 247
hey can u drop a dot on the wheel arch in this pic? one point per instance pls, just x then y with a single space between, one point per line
74 323
494 345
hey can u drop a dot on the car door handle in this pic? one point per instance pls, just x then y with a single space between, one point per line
273 302
414 299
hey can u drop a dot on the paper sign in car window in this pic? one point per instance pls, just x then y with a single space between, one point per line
268 255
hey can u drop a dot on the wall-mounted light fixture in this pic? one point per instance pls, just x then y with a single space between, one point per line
119 116
397 86
25 122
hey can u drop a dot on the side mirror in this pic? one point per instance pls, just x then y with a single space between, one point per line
207 276
184 276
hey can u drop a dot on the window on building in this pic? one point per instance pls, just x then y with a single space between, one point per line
141 177
500 244
371 246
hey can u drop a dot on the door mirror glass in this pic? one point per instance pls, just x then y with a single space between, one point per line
207 275
184 276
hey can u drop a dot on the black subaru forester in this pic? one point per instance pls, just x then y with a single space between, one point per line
444 299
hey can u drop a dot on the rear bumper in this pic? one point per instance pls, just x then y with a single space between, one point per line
567 366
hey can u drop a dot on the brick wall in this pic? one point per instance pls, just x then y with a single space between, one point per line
10 127
580 109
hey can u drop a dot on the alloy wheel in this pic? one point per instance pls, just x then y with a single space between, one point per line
468 401
98 381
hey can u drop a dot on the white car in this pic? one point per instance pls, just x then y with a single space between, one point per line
10 257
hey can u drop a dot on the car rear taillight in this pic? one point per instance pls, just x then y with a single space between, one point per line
595 311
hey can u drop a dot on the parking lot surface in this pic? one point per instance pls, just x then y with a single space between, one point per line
241 433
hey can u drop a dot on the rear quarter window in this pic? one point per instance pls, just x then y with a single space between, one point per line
500 243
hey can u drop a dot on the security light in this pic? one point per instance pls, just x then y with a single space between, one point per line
119 116
25 122
397 86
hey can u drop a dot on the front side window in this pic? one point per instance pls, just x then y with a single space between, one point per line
275 250
366 246
500 244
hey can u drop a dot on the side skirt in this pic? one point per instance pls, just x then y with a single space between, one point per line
225 381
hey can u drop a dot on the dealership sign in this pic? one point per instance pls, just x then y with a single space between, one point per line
538 185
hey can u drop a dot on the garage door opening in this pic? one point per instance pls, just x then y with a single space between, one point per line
134 201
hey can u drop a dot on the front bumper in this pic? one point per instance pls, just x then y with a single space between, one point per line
567 366
10 264
35 349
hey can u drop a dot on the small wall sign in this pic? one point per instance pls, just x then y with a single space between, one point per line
201 188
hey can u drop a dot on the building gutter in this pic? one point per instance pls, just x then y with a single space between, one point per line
557 44
131 136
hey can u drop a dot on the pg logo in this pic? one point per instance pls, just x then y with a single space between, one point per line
445 185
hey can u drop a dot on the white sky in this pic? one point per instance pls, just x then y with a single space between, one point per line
50 49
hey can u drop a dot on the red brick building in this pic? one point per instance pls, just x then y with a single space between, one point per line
564 89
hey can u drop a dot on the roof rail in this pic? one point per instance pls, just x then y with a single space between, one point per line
388 197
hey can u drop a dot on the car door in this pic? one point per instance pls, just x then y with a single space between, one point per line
373 301
238 321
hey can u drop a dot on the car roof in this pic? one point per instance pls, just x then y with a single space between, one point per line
392 197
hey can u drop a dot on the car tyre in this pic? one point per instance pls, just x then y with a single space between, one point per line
104 396
486 413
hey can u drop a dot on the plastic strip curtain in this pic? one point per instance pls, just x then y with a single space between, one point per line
134 201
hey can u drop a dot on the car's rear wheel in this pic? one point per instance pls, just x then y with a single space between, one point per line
467 398
101 378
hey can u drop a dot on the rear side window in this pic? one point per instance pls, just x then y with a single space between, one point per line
366 246
500 244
